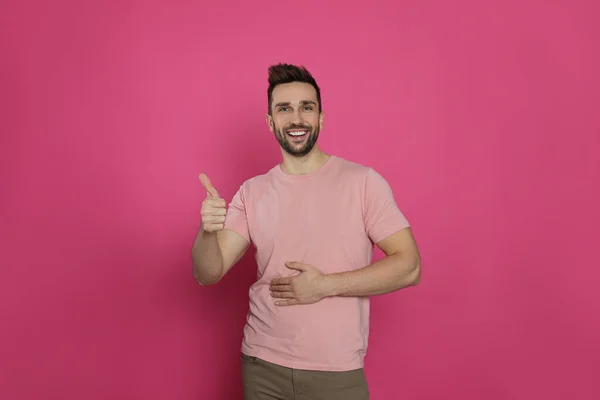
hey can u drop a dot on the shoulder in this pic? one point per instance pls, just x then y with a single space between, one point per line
352 168
360 172
256 184
371 183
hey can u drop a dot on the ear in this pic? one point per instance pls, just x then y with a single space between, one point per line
269 120
321 118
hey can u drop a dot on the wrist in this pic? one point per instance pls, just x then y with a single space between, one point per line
329 285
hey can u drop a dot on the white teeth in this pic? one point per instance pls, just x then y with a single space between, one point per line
297 133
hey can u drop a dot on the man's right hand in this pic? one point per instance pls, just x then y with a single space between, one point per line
214 208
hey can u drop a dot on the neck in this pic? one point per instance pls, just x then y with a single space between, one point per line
306 164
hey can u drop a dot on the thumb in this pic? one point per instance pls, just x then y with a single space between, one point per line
296 265
208 185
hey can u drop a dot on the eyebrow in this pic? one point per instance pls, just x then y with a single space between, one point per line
302 103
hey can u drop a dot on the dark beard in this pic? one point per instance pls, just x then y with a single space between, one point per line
282 138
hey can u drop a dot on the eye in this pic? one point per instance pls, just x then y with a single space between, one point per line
282 109
308 108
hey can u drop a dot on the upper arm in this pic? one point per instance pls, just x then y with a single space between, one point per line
381 214
400 242
233 246
386 225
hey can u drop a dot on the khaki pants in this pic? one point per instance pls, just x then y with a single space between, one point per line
263 380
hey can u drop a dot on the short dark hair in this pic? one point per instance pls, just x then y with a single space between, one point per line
288 73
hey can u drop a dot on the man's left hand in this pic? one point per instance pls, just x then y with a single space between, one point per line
305 288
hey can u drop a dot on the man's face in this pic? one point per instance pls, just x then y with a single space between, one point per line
295 118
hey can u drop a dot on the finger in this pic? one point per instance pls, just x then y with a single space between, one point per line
281 281
288 302
283 295
213 227
213 219
295 265
214 202
208 185
281 288
213 211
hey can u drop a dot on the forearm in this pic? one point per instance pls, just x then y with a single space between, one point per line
207 258
389 274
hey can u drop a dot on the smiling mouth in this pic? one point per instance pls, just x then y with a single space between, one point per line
297 133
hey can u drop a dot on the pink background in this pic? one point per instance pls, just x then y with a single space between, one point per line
483 116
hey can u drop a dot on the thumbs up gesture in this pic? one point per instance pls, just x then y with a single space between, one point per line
214 207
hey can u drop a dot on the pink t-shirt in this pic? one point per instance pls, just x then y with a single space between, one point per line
330 219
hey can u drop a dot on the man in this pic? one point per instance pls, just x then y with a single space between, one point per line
313 220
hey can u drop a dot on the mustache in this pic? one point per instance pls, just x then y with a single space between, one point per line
308 127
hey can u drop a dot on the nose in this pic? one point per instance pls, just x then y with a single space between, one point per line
296 117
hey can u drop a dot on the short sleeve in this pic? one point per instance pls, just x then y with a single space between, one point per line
382 217
236 218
